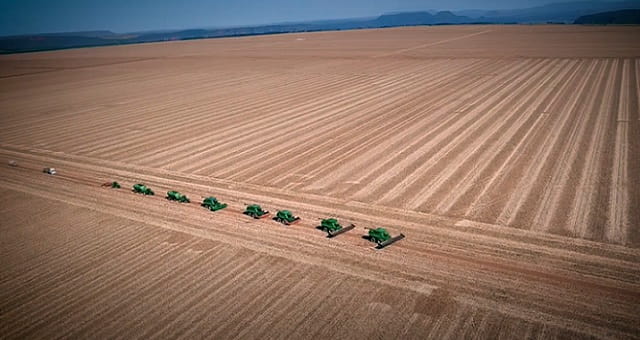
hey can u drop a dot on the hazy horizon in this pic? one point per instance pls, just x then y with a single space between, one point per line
41 16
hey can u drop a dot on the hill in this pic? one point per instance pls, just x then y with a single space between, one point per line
623 17
418 18
49 42
566 12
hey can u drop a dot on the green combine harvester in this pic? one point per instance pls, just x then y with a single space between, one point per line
176 196
255 211
382 238
333 228
213 204
142 189
286 217
113 185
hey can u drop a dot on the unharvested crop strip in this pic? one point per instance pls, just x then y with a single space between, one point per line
618 223
581 215
405 119
560 177
542 157
401 145
158 125
323 120
487 157
409 180
382 125
472 178
416 152
387 145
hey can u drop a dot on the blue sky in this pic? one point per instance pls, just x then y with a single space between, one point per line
36 16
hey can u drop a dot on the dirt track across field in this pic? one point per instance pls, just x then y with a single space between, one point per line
508 155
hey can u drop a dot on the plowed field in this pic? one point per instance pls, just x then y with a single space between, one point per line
508 156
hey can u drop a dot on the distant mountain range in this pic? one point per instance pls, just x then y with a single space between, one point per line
566 12
552 13
623 17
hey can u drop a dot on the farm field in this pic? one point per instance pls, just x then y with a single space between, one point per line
508 156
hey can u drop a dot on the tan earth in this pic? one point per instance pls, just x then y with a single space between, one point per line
509 156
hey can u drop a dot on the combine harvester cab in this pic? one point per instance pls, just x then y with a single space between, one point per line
333 228
176 196
142 189
255 211
286 217
113 185
213 204
382 238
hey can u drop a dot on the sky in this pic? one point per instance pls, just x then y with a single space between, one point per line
120 16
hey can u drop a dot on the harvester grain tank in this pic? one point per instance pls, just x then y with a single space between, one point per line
255 211
286 217
333 228
142 189
382 238
176 196
213 204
